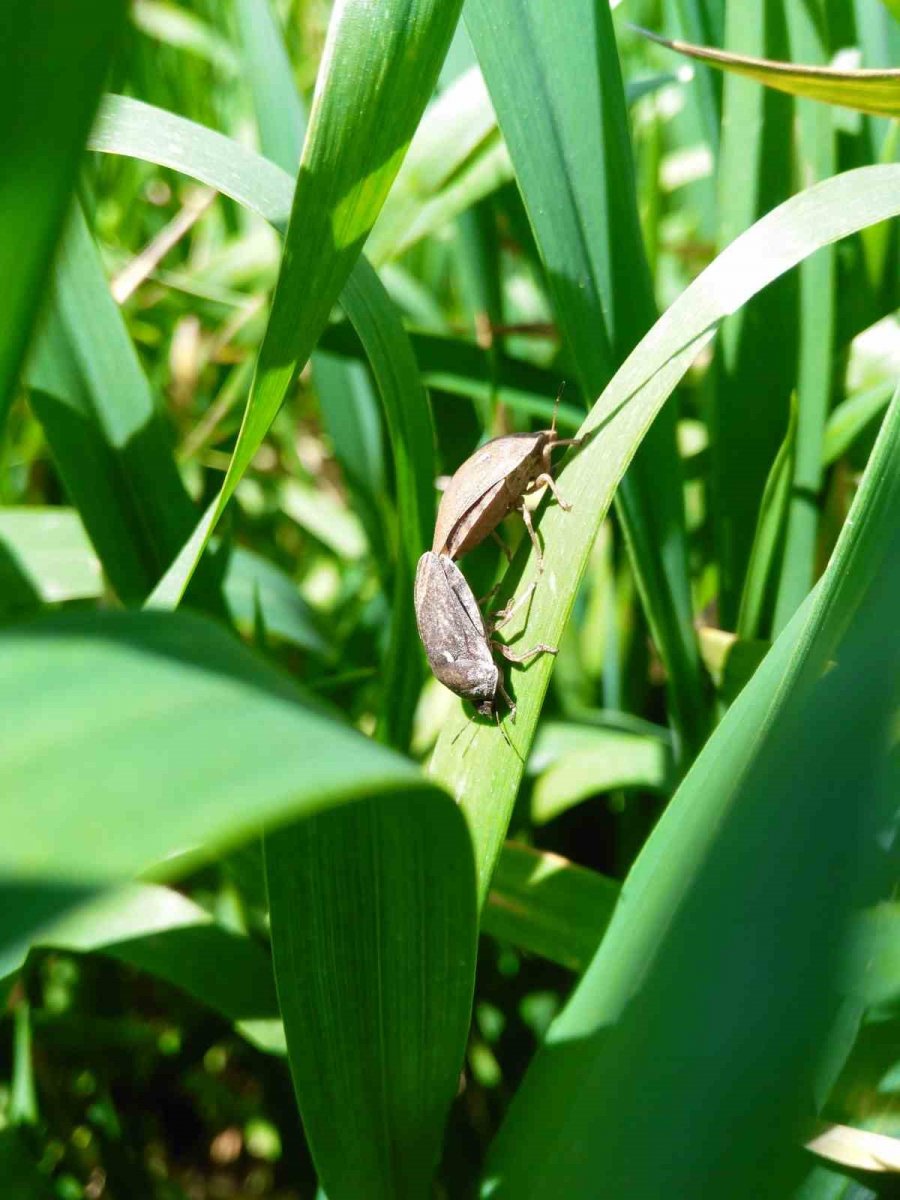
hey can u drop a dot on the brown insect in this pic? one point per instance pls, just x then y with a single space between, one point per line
491 483
457 639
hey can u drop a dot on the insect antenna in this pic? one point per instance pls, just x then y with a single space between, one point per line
559 396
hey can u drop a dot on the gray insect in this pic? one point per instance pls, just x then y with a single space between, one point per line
490 484
457 639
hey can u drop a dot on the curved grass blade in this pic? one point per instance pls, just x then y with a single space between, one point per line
868 91
52 67
379 67
473 759
851 417
128 127
637 1057
557 89
770 529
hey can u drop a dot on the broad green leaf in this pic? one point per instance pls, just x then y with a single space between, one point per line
109 441
157 707
473 759
871 91
557 89
153 708
690 979
380 65
374 947
19 1168
52 68
573 762
851 417
757 355
548 906
770 529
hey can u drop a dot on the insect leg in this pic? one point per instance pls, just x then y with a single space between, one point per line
547 479
504 614
526 517
513 656
503 546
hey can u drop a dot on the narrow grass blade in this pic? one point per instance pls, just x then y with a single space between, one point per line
870 91
557 89
129 127
769 539
703 21
412 439
689 980
380 65
52 67
374 954
280 116
139 130
817 154
549 906
851 417
756 359
474 759
109 441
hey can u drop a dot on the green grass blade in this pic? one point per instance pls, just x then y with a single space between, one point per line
756 360
412 439
549 906
109 442
381 68
851 417
481 770
816 150
770 529
703 21
374 954
872 91
689 980
280 115
557 89
53 67
349 404
130 128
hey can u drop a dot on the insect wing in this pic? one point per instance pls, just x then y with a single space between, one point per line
480 473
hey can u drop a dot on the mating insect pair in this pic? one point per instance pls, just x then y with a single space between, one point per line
486 488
